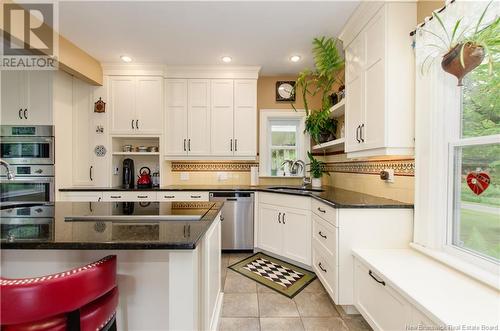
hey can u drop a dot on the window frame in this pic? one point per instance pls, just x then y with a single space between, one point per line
303 139
270 147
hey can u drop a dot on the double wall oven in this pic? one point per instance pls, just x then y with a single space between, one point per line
29 150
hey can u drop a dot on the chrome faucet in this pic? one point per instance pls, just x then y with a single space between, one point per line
10 174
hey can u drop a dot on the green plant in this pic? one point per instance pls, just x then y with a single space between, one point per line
486 37
328 62
316 167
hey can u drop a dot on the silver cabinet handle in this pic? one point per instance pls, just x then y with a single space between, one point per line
90 173
25 111
321 210
283 218
377 280
361 132
142 197
184 145
169 196
322 235
231 145
137 124
357 133
20 116
321 267
132 124
189 144
279 216
235 145
115 196
196 197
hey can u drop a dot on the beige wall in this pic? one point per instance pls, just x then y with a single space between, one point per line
266 95
425 8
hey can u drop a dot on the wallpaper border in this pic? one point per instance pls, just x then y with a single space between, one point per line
402 167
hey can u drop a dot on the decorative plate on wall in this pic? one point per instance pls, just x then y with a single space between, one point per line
285 90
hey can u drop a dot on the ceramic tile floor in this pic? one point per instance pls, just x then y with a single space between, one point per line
249 306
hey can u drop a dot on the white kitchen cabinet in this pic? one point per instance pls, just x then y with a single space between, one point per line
245 117
26 97
198 135
283 230
87 196
379 80
222 133
136 104
83 134
176 117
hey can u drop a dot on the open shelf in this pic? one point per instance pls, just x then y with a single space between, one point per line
136 153
334 145
338 109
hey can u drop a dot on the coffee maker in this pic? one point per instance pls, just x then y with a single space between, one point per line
128 173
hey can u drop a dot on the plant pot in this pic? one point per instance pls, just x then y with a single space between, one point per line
316 182
473 56
324 137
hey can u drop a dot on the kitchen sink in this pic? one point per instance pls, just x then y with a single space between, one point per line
294 189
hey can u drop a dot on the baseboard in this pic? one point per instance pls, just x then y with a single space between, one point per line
214 326
350 310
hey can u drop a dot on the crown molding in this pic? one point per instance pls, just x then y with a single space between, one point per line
136 69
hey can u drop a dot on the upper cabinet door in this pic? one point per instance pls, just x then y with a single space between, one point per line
83 142
38 97
149 105
122 102
222 140
176 117
198 117
245 117
12 97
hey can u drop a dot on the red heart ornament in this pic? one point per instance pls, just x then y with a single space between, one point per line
478 181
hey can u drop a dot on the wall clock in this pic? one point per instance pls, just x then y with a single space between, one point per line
285 90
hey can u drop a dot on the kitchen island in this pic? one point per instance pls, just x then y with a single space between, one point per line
168 254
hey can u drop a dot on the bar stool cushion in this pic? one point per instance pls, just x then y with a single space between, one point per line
36 299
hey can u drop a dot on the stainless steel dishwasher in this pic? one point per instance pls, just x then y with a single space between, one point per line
237 219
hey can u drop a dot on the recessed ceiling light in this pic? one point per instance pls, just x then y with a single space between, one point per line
126 58
226 59
295 58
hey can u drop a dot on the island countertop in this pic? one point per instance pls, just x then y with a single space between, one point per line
107 225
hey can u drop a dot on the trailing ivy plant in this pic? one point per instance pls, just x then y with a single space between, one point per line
328 62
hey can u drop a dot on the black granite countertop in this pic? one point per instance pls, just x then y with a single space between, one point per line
124 225
332 196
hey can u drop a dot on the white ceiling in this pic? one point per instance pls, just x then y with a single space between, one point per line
200 33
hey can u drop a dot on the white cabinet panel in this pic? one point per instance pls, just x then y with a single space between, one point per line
176 117
372 130
83 140
198 117
245 117
222 143
149 104
122 103
81 196
270 229
12 97
296 234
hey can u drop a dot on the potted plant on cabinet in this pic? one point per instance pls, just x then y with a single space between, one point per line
328 63
464 51
316 169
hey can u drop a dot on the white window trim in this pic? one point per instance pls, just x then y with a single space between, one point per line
303 145
297 146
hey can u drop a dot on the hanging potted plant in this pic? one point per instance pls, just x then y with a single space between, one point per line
328 62
316 169
466 50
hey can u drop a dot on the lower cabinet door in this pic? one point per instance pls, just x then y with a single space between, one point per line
379 304
270 229
296 234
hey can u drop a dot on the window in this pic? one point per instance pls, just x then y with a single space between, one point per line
283 136
475 158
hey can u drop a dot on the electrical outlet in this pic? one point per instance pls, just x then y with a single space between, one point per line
116 170
390 175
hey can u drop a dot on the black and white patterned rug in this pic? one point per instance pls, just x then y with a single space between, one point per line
278 275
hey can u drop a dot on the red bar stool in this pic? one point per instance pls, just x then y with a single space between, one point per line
84 299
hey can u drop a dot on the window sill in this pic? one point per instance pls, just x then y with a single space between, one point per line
468 269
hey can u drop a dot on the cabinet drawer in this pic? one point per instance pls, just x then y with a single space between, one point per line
81 196
381 306
285 200
324 211
326 270
182 196
129 196
325 234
